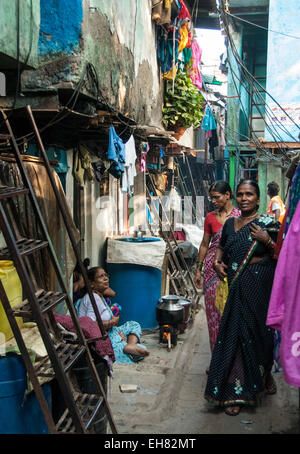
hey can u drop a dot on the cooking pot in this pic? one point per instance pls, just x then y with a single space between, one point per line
169 311
186 303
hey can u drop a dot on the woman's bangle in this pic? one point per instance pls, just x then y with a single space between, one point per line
200 266
270 243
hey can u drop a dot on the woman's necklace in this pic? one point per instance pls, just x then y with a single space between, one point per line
249 217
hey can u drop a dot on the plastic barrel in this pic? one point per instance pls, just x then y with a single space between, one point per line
138 289
13 288
20 413
87 385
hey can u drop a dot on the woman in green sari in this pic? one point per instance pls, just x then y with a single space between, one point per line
240 369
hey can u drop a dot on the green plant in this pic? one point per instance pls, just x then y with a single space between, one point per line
185 106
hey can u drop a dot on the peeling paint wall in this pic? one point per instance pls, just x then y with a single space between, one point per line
29 23
117 38
60 29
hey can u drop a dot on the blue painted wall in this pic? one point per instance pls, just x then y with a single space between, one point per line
283 65
60 28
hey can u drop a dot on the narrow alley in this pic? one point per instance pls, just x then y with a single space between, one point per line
170 388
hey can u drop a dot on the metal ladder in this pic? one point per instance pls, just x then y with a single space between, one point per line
81 409
178 273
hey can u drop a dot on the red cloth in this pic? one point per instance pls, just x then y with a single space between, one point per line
280 237
179 235
184 12
211 225
90 330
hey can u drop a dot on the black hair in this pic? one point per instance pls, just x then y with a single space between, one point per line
91 273
222 187
86 263
273 188
251 183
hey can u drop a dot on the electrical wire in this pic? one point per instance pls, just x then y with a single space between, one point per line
260 26
251 75
257 92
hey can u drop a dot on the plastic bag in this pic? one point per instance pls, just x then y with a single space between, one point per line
221 295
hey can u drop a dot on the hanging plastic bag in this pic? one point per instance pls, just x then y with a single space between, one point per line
221 295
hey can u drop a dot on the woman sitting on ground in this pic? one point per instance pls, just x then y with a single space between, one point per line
125 338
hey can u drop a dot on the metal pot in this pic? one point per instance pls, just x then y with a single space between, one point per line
169 311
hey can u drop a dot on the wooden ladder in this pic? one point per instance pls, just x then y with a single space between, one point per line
81 410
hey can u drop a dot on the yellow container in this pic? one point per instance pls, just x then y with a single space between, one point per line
13 288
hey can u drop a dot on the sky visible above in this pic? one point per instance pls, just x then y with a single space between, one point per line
212 45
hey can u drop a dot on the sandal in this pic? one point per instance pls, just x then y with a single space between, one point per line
271 387
232 410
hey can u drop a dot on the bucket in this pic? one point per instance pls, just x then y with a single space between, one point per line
87 385
20 413
13 288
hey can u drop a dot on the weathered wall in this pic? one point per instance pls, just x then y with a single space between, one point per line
29 23
283 65
116 37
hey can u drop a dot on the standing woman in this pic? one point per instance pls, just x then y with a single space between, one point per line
240 368
220 195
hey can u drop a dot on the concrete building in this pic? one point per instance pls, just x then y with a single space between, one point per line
262 121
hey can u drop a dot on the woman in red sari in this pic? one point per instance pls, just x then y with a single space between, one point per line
220 195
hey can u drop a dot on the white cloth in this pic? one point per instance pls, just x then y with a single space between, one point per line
86 309
129 166
139 253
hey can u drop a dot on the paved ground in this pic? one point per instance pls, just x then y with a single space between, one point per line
169 398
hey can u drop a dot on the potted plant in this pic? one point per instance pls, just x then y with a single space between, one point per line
184 107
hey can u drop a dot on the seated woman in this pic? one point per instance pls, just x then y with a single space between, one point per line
125 338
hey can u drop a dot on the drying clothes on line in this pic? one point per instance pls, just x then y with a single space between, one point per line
130 170
208 122
82 165
195 74
99 169
184 12
116 153
167 43
284 307
143 157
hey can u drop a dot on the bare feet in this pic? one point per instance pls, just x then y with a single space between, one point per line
134 349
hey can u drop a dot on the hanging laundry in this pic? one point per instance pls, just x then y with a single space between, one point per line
82 164
99 169
130 170
116 153
143 164
184 12
184 37
166 55
208 122
195 74
284 307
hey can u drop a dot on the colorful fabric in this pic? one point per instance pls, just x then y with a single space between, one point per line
208 122
243 354
284 308
210 283
116 153
184 37
117 334
195 74
211 224
277 204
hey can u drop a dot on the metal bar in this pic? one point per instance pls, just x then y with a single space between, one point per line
38 317
66 221
26 358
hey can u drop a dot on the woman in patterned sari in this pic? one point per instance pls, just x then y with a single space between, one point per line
220 195
240 369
